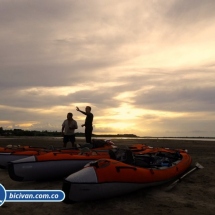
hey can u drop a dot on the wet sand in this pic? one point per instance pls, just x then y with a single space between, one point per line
195 194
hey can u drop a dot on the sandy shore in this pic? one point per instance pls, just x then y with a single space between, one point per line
194 195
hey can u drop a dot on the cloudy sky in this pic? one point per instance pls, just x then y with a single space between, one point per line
145 67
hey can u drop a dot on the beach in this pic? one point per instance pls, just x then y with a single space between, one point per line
195 194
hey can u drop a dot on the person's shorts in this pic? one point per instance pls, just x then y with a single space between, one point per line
69 138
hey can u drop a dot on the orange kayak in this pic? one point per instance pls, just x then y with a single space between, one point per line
106 178
51 165
7 157
61 163
18 148
16 152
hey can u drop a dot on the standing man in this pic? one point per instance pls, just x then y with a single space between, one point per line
68 130
88 123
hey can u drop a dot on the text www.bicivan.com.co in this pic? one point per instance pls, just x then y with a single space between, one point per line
32 196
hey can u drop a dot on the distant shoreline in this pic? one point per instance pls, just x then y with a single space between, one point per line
112 137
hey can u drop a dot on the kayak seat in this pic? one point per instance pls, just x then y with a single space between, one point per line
98 143
141 163
129 158
143 160
112 154
124 155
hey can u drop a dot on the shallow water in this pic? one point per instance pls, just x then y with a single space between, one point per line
122 138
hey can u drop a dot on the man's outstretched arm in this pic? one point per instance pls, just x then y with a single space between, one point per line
81 111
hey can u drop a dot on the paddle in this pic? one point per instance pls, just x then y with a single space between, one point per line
197 166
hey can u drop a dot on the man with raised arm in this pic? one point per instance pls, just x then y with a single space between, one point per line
88 123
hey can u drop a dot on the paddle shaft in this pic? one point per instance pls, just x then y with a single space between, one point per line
195 168
178 180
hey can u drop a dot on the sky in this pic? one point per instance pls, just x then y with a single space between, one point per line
144 67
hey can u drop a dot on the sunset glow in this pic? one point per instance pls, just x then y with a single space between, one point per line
149 73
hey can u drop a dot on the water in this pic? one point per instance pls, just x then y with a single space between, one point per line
122 138
159 138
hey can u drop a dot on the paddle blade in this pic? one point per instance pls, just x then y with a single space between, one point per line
199 166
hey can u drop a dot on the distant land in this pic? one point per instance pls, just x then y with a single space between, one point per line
20 132
45 133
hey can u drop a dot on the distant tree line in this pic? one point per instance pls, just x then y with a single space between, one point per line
20 132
